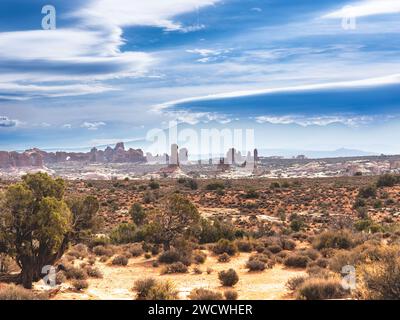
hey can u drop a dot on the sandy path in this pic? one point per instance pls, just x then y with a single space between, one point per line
118 281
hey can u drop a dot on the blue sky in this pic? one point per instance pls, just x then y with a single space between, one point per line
113 70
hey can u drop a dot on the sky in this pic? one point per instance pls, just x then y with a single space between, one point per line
304 75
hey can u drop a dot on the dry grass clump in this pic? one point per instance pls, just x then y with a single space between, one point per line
204 294
199 257
223 258
244 245
151 289
75 273
103 251
14 292
259 262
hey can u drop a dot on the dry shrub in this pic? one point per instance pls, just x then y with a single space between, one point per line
230 294
199 257
176 267
320 289
296 260
295 282
225 246
151 289
380 280
93 272
224 258
120 261
244 245
13 292
80 285
72 272
204 294
228 278
337 239
103 251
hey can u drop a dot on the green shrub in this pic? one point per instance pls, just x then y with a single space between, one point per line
387 180
367 192
204 294
137 214
154 185
124 233
215 186
228 278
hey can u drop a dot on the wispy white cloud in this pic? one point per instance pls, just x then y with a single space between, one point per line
351 121
370 82
366 8
92 125
6 122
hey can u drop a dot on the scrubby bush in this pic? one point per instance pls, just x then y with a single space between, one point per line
215 186
244 245
228 278
135 250
367 192
215 230
94 272
80 285
274 248
255 265
225 246
103 251
169 256
120 261
295 282
224 258
380 279
13 292
387 180
72 272
296 260
150 289
230 294
204 294
334 239
154 185
320 289
137 214
124 233
199 257
176 267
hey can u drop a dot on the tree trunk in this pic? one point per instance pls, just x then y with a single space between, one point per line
27 276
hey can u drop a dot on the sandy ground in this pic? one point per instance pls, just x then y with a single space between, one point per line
118 281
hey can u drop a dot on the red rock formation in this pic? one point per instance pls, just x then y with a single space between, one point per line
38 158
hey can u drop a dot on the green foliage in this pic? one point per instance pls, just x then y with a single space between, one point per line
367 192
36 224
387 180
175 219
123 233
368 225
137 214
213 230
154 185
